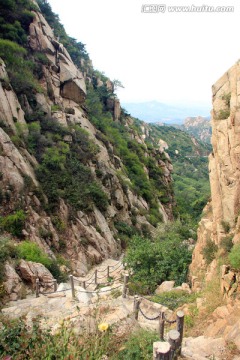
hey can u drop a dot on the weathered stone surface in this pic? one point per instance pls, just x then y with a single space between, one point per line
13 165
165 286
73 90
10 109
82 295
224 169
13 284
202 347
42 102
30 271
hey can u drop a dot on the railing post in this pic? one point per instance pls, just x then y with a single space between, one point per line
161 350
72 286
84 284
136 304
108 272
161 326
95 276
180 325
37 288
173 339
55 285
125 283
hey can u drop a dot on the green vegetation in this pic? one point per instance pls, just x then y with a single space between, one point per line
209 251
234 256
15 18
166 257
226 244
19 341
226 226
63 171
138 346
190 170
130 151
223 114
174 299
31 252
13 223
20 68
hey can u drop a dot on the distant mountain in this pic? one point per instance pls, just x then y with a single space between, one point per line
199 127
154 111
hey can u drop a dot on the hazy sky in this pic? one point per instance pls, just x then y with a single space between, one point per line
169 57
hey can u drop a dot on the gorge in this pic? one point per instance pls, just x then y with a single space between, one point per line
82 181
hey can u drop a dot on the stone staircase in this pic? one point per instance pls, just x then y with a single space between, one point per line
87 310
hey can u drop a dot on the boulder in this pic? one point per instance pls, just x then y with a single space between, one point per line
165 286
13 284
73 90
30 271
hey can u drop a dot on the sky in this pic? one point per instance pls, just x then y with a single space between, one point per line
170 57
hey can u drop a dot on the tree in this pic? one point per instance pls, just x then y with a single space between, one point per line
117 84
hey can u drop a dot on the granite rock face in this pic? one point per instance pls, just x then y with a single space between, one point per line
224 169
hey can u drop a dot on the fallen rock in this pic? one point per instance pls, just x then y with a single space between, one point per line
30 271
165 286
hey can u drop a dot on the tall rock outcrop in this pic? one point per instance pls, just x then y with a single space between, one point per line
224 168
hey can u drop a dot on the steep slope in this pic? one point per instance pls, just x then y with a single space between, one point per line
77 177
190 171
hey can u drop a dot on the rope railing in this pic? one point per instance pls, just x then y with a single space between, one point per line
169 321
93 282
119 262
72 279
168 348
111 271
147 317
164 350
101 277
101 271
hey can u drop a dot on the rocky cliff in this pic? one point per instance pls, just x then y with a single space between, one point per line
221 216
71 160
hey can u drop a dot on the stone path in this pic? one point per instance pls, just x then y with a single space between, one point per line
89 309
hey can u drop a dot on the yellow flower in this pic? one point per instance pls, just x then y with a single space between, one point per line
103 327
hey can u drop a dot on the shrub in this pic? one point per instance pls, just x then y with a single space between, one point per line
209 251
223 114
13 223
227 243
165 257
226 226
20 70
227 99
234 257
30 251
174 299
138 346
